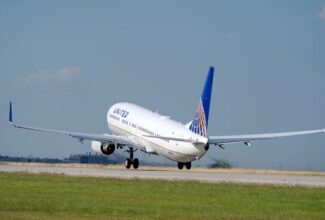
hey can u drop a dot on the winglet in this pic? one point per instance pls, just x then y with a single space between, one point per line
10 113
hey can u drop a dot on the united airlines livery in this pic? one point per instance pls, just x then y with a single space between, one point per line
136 128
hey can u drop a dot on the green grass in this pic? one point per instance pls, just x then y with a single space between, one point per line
31 196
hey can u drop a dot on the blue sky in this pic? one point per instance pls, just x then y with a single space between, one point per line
63 63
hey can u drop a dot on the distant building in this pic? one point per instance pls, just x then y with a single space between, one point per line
74 158
94 159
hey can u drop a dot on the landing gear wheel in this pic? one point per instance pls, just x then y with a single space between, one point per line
128 163
188 165
180 165
135 163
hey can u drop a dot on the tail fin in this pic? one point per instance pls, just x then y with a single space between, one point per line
199 124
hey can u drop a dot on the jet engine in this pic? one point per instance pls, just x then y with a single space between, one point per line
102 148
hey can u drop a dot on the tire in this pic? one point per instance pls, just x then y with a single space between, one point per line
188 165
128 163
135 163
180 165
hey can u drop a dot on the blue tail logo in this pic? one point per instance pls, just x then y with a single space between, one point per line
199 124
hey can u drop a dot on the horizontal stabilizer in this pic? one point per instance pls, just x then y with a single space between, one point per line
189 140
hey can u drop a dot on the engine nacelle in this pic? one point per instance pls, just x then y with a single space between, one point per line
99 147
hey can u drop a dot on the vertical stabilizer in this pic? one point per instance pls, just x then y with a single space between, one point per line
199 124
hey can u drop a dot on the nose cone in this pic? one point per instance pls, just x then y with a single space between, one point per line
110 111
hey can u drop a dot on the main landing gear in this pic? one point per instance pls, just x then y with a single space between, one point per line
188 165
130 161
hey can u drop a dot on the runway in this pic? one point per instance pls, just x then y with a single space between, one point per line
172 174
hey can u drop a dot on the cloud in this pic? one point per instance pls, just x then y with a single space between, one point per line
47 76
321 14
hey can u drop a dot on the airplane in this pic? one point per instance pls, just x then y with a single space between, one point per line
137 128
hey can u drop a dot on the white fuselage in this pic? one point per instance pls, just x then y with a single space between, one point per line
135 122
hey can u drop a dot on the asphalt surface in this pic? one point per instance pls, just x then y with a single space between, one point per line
171 175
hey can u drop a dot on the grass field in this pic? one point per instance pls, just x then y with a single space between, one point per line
32 196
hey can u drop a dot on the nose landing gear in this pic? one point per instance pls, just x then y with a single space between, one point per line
130 161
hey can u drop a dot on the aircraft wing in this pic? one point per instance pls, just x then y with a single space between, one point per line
247 139
104 138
